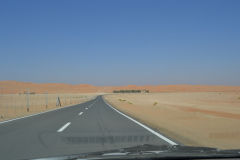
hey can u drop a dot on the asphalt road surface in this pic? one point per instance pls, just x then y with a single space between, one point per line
87 127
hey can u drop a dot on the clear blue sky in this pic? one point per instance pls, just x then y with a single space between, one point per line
121 42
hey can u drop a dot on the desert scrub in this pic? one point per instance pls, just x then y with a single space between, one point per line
121 100
239 98
155 103
129 102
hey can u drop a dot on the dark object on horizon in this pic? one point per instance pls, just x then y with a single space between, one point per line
131 91
26 92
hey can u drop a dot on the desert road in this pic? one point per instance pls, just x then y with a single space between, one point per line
87 127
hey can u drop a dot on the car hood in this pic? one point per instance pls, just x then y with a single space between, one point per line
147 151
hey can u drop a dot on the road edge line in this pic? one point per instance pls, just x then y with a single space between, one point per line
142 125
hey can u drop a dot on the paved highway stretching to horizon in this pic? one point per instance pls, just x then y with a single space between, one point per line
88 127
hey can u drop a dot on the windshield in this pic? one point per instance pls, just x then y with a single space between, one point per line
119 77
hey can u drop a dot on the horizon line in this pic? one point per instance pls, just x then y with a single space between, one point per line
179 84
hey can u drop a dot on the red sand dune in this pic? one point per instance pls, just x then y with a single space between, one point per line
20 87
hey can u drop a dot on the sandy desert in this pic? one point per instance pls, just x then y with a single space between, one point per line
191 118
195 115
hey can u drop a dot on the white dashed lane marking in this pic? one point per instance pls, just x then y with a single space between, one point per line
64 127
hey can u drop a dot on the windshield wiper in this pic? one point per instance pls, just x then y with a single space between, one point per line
147 151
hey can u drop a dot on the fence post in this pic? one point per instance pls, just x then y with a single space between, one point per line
58 103
28 105
46 99
1 107
65 100
15 105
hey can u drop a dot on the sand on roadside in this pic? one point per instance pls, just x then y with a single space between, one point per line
192 118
